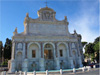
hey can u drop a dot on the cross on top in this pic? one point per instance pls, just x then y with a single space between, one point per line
46 3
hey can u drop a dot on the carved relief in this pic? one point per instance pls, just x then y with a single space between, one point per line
73 45
46 15
19 46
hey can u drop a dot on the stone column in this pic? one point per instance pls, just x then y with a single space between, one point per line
56 50
13 51
57 57
12 66
25 50
68 56
41 61
70 52
77 45
25 62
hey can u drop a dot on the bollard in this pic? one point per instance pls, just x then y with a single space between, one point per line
83 69
74 71
94 66
20 73
25 73
34 73
4 73
47 72
61 72
89 68
16 73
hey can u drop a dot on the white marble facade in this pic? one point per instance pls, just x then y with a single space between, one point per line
45 44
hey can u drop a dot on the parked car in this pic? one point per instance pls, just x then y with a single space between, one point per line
91 65
97 65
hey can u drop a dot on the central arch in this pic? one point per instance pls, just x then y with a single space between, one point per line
49 56
33 54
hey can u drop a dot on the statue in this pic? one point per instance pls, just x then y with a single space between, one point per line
26 18
65 19
16 29
75 32
27 15
15 32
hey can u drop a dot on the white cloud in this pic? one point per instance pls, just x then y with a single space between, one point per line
87 24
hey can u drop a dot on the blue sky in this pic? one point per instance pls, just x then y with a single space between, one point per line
83 15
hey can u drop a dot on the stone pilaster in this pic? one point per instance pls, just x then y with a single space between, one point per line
26 29
13 51
80 62
70 52
42 50
26 50
41 60
56 49
78 52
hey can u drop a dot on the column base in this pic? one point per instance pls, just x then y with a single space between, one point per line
42 68
25 65
12 66
57 64
71 63
80 62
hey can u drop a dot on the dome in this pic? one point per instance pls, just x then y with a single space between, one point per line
46 14
45 8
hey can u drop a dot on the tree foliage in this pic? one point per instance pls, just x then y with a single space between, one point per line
1 46
92 49
84 43
89 48
97 40
7 49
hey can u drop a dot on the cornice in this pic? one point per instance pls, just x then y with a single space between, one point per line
56 22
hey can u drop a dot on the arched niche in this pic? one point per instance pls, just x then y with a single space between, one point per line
74 58
48 51
62 52
19 61
49 56
33 51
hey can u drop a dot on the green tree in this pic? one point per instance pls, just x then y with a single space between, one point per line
7 49
97 40
97 52
89 48
92 50
84 43
1 46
